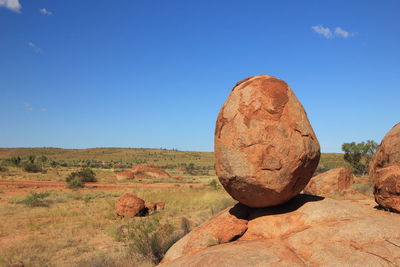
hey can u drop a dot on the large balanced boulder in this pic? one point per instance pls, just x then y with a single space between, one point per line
306 231
265 148
330 183
385 171
129 205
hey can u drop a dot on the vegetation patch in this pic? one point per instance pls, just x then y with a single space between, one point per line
85 175
32 167
358 155
75 184
213 184
77 179
36 200
149 237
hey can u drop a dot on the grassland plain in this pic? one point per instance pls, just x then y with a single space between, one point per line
80 228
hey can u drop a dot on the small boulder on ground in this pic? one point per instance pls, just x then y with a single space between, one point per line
330 183
385 171
152 207
143 172
129 205
265 148
125 175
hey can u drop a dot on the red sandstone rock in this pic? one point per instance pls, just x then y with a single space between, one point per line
125 175
142 171
330 183
387 188
306 231
385 171
388 153
129 205
265 148
152 207
222 228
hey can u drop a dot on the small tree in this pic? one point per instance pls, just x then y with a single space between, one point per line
359 155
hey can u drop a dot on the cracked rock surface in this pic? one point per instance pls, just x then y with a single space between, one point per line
265 148
330 183
306 231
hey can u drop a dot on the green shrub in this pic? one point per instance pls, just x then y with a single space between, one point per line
14 161
213 184
31 158
85 175
32 167
75 184
3 169
36 200
152 239
185 225
148 237
87 198
53 163
192 169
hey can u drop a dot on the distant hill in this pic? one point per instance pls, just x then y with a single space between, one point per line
131 155
140 155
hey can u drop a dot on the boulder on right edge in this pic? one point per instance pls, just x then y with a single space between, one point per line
387 188
385 171
330 183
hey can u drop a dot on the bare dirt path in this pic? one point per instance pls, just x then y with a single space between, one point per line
93 185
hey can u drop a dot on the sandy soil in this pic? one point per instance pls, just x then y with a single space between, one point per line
92 185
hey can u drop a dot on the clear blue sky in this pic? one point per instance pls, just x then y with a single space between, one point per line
154 73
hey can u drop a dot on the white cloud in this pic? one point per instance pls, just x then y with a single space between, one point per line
13 5
35 47
326 32
43 110
28 107
329 34
46 12
340 32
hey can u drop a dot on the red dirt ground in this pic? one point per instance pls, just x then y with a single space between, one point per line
93 185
